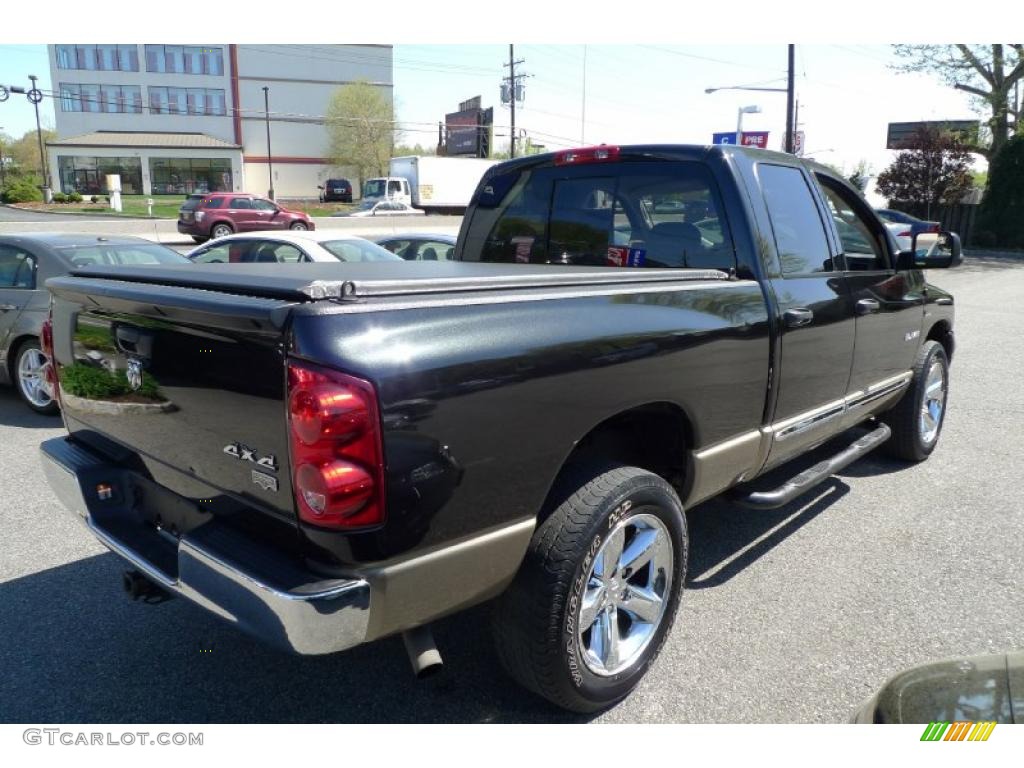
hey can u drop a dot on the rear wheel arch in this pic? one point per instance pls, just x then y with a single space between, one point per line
656 436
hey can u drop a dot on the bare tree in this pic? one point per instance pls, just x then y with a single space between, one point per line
988 72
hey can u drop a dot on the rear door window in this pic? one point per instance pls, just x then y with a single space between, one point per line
629 214
241 204
17 268
799 232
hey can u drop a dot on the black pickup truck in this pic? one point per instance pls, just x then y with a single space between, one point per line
325 455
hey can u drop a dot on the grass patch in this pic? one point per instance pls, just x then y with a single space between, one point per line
99 384
320 209
164 206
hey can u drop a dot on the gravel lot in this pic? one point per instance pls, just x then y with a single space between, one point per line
792 616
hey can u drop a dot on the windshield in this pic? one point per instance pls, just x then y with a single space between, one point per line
358 250
374 188
130 254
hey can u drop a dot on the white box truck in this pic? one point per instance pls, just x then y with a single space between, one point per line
434 184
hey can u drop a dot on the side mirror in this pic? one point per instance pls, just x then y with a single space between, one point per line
931 250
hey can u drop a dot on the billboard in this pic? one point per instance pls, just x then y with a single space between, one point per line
901 135
467 132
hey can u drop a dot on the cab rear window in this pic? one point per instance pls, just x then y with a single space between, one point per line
629 214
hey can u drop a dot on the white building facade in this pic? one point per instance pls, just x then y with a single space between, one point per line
177 119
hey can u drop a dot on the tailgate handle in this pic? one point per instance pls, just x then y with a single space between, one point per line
868 306
133 340
795 318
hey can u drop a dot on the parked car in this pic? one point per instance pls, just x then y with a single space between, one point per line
336 191
420 247
26 261
380 445
383 208
222 213
981 690
903 227
288 247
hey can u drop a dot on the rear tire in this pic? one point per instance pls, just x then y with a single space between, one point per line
579 625
916 420
221 230
29 378
197 239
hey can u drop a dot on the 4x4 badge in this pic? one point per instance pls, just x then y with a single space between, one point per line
245 453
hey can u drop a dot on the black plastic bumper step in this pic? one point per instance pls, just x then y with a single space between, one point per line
800 484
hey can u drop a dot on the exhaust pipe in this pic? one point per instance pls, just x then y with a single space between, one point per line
138 587
423 653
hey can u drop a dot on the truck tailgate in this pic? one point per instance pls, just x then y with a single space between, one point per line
186 385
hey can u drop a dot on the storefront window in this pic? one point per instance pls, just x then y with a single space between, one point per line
182 176
87 175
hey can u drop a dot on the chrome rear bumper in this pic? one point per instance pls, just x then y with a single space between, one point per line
258 591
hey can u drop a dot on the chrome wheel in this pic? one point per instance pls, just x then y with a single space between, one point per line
221 230
299 227
32 377
933 403
626 594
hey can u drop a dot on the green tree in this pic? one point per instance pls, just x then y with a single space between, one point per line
987 72
935 168
861 175
360 128
22 155
1001 216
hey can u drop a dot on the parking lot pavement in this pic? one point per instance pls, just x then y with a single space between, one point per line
165 231
795 615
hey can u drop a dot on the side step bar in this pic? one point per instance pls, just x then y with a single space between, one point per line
809 478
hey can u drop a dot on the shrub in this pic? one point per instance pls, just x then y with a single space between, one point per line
1002 210
74 197
94 199
99 384
22 192
60 197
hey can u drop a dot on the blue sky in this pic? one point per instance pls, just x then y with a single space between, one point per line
634 93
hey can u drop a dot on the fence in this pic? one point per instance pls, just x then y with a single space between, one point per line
959 218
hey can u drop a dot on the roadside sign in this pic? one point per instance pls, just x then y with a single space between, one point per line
757 139
724 137
798 143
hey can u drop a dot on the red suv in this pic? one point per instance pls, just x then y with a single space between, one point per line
216 214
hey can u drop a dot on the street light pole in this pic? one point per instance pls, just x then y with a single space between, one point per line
3 174
39 133
270 161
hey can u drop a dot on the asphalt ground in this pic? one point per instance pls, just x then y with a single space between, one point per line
795 615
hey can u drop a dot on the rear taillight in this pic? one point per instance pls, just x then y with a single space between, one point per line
50 370
905 234
936 227
337 453
600 154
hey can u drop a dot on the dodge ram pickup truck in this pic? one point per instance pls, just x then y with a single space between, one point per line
325 455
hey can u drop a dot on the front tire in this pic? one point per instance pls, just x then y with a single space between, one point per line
30 378
597 593
298 226
916 420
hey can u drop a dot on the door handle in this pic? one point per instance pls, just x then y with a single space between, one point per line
867 307
795 318
7 307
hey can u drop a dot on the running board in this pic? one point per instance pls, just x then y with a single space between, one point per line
809 478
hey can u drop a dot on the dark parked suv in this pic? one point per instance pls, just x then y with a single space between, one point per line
336 191
221 213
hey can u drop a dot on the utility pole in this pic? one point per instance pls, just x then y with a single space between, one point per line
513 92
790 98
270 162
35 96
3 173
